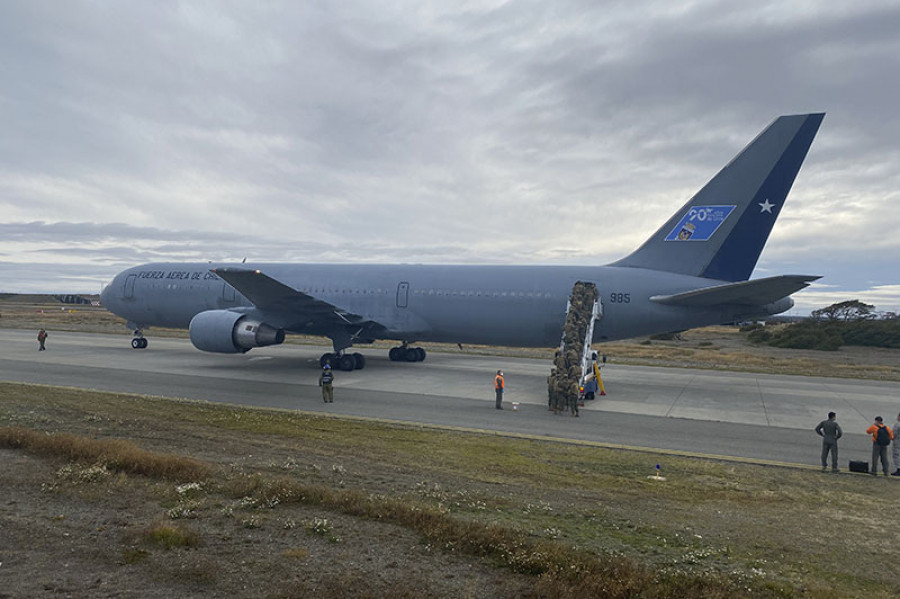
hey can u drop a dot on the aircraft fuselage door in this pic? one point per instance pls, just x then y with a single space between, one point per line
129 286
403 295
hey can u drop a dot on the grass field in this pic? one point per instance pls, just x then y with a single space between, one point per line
544 518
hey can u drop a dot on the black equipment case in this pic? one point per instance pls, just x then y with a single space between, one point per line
859 466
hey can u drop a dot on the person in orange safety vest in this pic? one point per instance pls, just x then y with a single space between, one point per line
499 387
881 438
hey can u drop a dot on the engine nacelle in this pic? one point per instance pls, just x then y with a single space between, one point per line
227 332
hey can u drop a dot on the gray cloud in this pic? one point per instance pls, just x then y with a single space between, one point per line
353 131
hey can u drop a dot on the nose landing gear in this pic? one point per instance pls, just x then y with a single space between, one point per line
139 341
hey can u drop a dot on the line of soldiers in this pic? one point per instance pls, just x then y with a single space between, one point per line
562 385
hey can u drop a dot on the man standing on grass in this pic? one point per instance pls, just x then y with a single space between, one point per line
830 431
881 438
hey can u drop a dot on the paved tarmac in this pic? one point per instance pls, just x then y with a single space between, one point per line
758 417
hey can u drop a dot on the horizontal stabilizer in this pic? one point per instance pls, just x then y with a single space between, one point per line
757 292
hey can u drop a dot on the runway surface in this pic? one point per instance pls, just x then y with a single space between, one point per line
699 412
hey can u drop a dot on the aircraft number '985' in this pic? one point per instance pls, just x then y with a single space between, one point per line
620 298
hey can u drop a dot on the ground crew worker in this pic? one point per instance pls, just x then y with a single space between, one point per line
42 338
895 451
881 438
326 380
830 431
572 396
551 389
499 387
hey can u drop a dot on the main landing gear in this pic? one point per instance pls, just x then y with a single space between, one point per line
356 361
406 354
139 341
342 361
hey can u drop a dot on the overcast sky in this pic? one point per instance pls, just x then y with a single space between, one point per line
447 132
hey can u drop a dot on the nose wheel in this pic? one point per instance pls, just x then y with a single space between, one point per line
139 341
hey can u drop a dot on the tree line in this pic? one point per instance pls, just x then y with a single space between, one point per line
846 323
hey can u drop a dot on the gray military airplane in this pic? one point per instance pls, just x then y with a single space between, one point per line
692 272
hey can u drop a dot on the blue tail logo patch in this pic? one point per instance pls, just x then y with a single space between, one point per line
700 223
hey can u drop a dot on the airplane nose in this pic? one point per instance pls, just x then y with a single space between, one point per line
106 293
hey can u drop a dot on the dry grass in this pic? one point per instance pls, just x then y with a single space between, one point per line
296 553
117 455
170 536
562 571
726 348
714 529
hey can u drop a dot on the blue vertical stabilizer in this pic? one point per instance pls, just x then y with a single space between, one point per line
721 231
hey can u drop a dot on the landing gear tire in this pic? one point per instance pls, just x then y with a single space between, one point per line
138 343
346 362
414 354
406 354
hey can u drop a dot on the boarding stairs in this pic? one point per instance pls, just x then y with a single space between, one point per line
575 356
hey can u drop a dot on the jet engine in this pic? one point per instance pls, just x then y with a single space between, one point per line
227 332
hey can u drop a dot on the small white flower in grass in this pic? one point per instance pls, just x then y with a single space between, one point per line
319 526
188 488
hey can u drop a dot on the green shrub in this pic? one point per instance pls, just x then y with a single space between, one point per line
759 335
830 335
872 333
807 335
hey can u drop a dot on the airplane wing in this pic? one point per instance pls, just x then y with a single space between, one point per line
756 292
271 295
